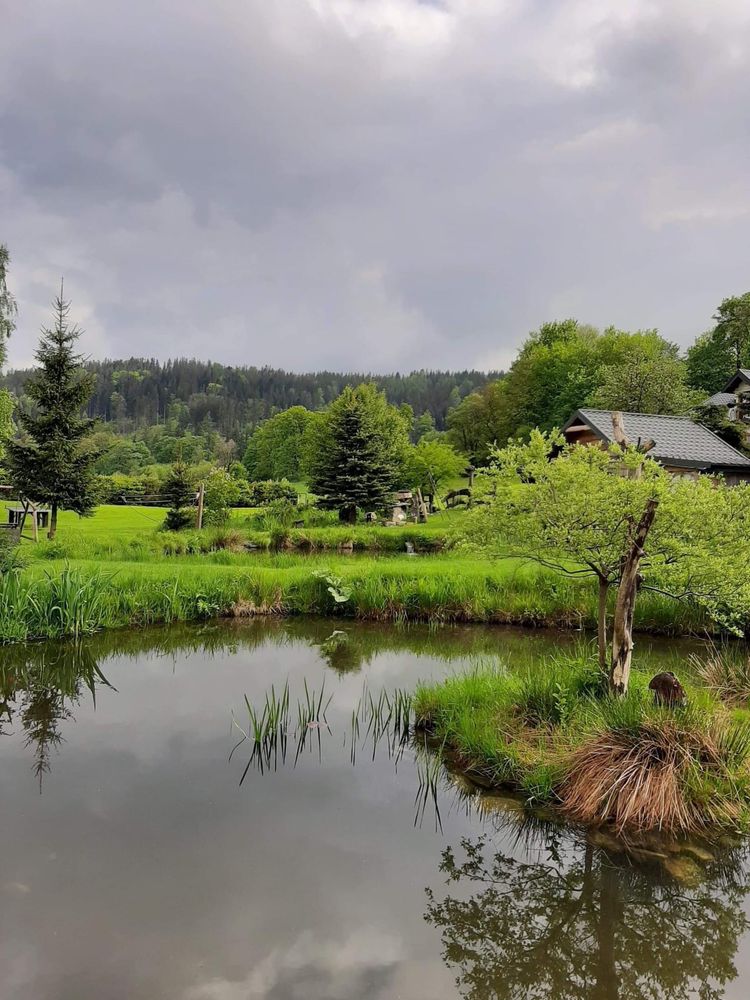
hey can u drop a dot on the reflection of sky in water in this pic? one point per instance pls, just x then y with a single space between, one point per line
144 870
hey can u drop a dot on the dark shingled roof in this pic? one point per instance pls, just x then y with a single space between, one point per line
741 375
720 399
679 441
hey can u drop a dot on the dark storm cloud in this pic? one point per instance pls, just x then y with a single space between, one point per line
371 183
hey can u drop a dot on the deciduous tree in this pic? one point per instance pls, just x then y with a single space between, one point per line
617 517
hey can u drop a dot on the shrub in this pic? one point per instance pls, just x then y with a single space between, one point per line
221 492
178 519
261 494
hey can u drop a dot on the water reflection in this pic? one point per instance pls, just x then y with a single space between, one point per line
39 686
144 870
586 923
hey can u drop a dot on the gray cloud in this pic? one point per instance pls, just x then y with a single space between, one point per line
374 184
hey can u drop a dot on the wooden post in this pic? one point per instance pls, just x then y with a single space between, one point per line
421 507
199 519
34 522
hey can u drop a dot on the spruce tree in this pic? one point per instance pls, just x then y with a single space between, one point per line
51 463
179 492
358 456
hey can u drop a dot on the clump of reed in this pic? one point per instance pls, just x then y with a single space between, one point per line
675 771
726 672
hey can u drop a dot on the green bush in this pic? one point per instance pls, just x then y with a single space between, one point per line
261 494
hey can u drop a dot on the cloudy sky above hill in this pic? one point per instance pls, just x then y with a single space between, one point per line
371 184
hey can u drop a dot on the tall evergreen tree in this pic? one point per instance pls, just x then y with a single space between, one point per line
52 464
358 456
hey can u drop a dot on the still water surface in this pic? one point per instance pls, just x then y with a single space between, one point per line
134 864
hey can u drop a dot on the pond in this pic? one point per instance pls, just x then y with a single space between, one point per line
141 858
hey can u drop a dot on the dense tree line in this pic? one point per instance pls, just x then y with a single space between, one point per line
200 395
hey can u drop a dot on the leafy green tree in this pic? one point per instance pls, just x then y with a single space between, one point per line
716 419
274 450
645 382
480 421
733 327
431 463
52 463
358 452
123 455
709 364
424 424
8 307
716 355
617 518
221 492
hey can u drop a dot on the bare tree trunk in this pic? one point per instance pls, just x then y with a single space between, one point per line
602 623
348 513
52 522
627 591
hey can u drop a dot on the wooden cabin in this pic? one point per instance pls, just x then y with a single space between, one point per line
683 447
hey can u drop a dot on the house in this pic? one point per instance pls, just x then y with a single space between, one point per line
732 393
683 447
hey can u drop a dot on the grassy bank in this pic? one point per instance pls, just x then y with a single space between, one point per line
556 738
54 598
115 569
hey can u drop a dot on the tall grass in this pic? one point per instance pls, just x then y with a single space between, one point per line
68 599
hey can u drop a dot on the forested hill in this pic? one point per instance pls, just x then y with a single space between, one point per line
140 392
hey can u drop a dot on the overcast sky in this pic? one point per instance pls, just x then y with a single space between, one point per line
371 184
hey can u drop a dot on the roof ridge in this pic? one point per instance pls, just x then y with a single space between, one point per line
634 413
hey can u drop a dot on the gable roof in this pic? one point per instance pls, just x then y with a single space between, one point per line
741 375
679 441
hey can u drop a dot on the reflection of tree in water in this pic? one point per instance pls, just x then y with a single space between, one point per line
591 925
41 684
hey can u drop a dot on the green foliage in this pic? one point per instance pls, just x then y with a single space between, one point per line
221 492
716 419
274 450
716 355
710 363
733 328
179 488
179 492
122 455
430 463
651 379
263 493
576 513
359 452
52 463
